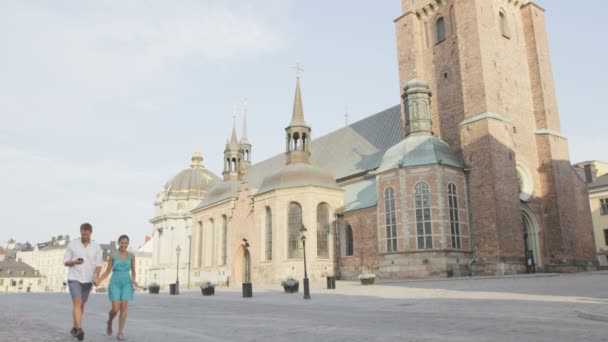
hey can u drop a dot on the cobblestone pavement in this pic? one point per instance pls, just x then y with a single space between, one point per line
505 309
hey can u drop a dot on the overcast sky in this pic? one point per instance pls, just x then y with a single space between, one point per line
101 102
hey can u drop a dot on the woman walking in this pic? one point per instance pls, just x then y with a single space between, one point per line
121 285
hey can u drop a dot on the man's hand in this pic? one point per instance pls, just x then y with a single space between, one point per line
73 263
96 281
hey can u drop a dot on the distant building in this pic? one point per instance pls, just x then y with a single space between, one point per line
17 276
108 249
172 221
2 254
47 257
595 174
144 262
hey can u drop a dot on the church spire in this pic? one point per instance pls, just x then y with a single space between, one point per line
232 155
233 138
244 138
245 145
417 104
297 118
297 146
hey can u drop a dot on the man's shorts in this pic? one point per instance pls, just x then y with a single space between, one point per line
80 290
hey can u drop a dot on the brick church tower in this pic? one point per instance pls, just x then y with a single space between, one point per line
488 66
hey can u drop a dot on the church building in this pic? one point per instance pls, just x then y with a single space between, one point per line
470 174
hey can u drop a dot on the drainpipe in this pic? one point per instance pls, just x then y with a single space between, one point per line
470 216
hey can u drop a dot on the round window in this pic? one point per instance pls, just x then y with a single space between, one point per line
526 186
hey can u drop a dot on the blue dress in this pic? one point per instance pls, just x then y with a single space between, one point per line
121 284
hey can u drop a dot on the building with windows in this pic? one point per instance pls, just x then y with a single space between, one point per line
16 276
47 258
172 222
470 174
595 174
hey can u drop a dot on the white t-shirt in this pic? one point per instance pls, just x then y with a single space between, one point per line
92 256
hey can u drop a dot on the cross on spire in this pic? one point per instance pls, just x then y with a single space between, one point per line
346 117
297 69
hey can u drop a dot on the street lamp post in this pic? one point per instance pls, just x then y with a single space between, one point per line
177 251
303 238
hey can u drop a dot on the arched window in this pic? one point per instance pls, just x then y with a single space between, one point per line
224 240
268 234
390 220
296 138
323 231
424 229
504 24
348 240
440 29
199 258
294 226
454 219
304 141
208 240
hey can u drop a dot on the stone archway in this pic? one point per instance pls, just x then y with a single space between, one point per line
531 233
242 266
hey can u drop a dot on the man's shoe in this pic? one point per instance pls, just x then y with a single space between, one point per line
80 334
73 332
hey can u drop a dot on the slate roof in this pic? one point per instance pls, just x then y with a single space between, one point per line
599 182
416 150
17 269
348 151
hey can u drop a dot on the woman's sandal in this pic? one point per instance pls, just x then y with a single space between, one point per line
120 337
109 328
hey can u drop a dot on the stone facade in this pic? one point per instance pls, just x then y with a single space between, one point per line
172 223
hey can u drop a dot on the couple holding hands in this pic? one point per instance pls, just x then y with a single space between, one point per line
84 259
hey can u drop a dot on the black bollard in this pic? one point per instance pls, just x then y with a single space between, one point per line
247 290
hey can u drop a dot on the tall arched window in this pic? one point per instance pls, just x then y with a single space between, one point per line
323 231
504 24
268 234
199 258
293 235
440 29
390 220
208 240
224 240
348 240
424 229
454 219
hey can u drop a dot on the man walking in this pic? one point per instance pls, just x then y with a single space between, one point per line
84 259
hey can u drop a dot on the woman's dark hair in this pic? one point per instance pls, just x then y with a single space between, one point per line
123 237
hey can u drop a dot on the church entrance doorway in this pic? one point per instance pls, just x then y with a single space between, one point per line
242 267
531 241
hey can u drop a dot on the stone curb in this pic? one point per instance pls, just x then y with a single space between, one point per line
592 317
516 276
